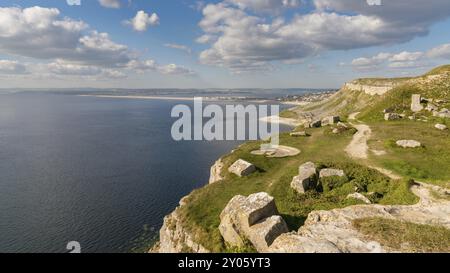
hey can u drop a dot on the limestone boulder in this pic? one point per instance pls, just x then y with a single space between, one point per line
294 243
330 120
431 107
416 105
242 168
264 233
391 116
331 172
444 113
307 178
441 127
254 218
360 197
299 134
408 144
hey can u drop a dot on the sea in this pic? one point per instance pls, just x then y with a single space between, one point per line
102 172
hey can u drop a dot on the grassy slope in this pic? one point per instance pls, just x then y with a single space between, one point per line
201 214
430 164
408 237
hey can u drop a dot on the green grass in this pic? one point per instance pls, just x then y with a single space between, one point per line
427 164
288 114
201 214
404 236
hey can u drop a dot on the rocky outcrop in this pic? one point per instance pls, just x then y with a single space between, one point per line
378 89
298 134
307 178
215 174
253 218
333 231
416 105
242 168
408 144
174 238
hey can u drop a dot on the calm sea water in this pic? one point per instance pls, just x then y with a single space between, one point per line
103 172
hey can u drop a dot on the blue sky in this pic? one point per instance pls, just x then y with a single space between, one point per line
218 44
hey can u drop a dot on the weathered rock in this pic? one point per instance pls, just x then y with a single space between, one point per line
441 127
264 233
253 218
307 178
299 134
215 173
294 243
431 107
388 110
242 168
444 113
341 124
174 238
359 196
315 124
416 105
330 120
408 144
392 116
331 172
335 131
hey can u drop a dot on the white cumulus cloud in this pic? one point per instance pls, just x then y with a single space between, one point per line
143 20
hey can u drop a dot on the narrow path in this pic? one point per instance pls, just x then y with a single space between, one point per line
358 148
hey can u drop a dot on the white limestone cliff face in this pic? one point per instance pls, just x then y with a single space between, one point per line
174 238
370 89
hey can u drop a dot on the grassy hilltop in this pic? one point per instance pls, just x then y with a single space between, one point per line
429 164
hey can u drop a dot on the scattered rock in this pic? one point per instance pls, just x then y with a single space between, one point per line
293 243
315 124
299 134
331 172
359 196
330 120
416 105
431 107
254 218
341 124
392 116
388 110
242 168
441 127
444 113
336 131
307 178
408 144
264 233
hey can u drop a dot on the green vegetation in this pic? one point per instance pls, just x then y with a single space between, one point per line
405 236
201 214
288 114
428 163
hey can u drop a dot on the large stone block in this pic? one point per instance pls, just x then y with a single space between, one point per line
330 120
307 178
242 168
264 233
416 105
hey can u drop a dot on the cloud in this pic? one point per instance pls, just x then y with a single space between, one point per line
402 60
151 65
12 68
442 51
143 20
40 33
242 40
65 47
265 6
115 4
180 47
